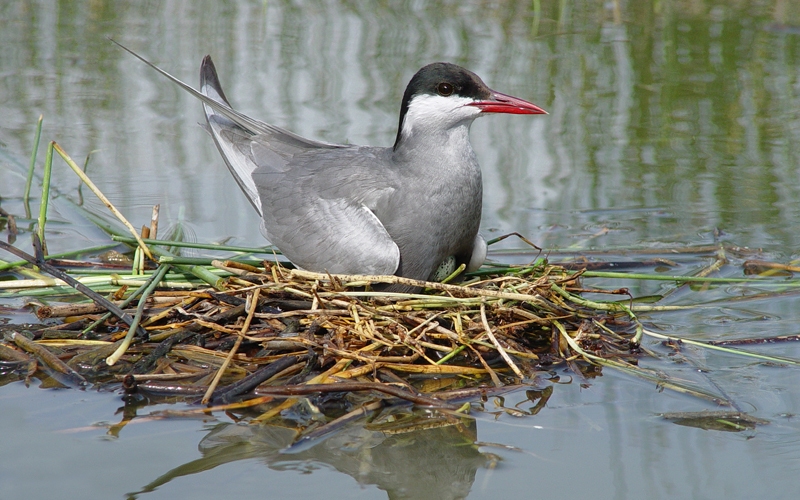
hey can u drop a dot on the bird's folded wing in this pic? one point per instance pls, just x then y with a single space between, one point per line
233 144
333 235
243 150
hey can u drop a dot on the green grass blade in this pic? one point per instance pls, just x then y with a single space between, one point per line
29 180
126 342
48 169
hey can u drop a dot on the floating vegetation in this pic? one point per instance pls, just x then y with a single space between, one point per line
278 331
728 421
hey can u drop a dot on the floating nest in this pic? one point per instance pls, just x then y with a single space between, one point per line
275 334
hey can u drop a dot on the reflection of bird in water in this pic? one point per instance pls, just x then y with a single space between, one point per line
437 462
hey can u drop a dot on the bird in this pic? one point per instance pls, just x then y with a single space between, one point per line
412 209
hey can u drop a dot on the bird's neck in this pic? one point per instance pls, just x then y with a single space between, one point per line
443 147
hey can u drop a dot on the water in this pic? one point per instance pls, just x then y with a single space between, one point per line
669 121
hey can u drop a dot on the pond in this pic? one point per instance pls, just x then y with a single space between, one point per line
672 134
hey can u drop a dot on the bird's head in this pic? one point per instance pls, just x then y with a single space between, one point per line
442 96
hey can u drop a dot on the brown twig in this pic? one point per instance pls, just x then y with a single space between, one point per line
245 327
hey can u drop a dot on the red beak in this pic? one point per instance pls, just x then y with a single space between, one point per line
502 103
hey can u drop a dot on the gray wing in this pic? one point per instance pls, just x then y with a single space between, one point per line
320 210
316 227
243 142
317 222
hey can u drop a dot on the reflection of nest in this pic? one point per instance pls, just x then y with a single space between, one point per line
310 334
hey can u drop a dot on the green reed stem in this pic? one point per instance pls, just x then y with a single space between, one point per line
126 342
48 169
29 181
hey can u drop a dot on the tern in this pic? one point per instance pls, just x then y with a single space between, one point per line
410 210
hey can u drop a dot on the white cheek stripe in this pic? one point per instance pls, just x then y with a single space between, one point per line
427 113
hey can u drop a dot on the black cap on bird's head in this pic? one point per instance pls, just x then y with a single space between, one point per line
448 80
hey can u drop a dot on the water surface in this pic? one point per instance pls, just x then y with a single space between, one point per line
672 124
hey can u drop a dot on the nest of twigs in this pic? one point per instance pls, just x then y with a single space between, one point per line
277 333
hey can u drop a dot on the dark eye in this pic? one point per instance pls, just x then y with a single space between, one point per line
444 89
